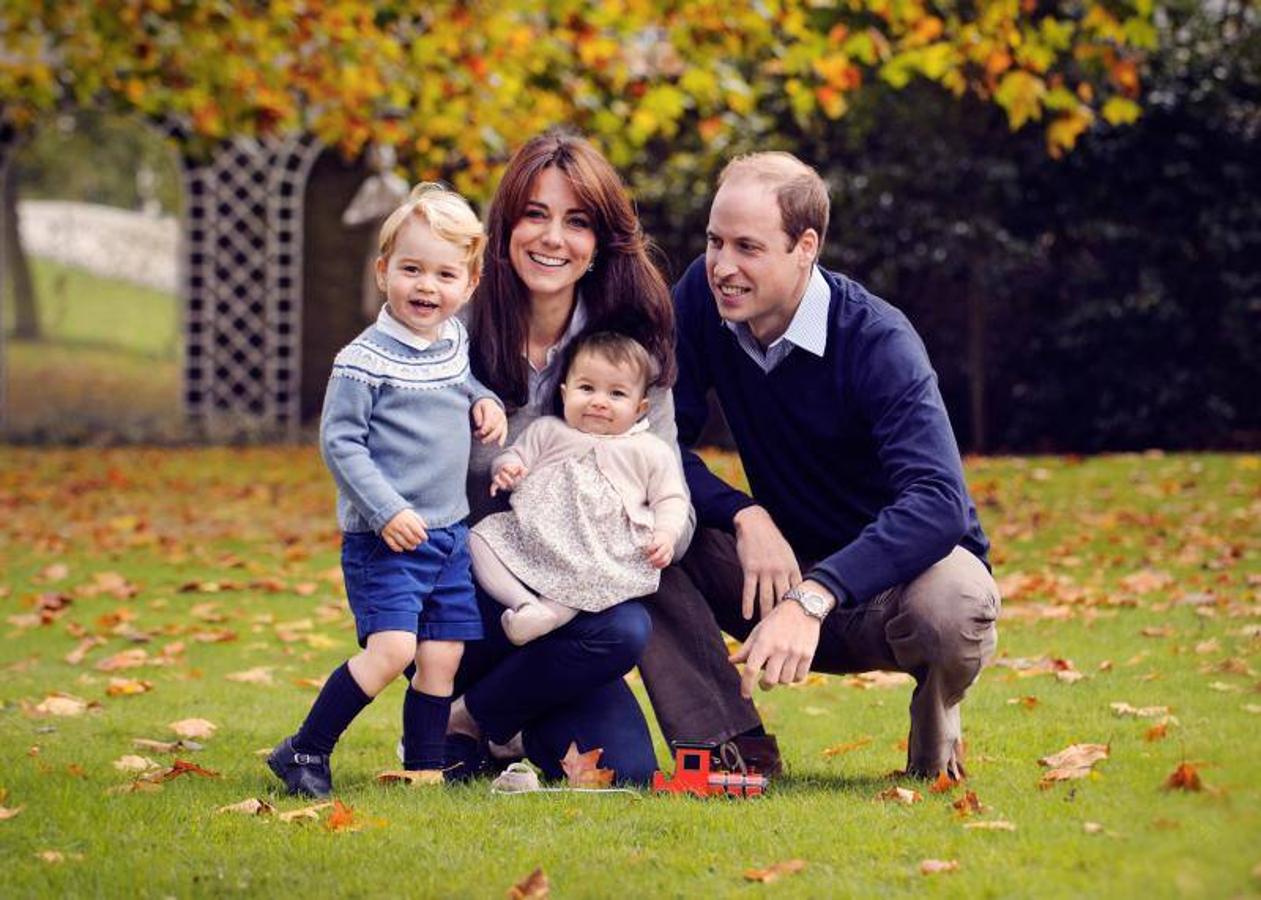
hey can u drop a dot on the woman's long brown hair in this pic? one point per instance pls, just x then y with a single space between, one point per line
625 292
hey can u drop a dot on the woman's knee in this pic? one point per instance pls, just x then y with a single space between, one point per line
626 629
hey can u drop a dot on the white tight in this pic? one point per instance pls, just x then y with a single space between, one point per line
528 615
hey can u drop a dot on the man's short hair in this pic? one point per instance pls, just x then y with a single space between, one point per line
801 192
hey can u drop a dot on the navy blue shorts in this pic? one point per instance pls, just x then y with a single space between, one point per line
427 591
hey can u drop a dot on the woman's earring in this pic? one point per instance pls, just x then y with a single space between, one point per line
591 265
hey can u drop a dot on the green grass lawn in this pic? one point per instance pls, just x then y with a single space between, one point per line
107 361
1139 572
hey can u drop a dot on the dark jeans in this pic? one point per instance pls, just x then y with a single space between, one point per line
566 686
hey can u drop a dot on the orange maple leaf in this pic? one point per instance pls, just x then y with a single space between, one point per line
770 873
1184 778
342 818
582 769
967 804
943 784
534 885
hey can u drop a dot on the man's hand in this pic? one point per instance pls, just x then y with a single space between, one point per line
661 550
406 531
769 564
489 422
781 647
507 477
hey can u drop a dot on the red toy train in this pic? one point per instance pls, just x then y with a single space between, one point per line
708 771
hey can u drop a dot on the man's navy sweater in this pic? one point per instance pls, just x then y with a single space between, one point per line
851 453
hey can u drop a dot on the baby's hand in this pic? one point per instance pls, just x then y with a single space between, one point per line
508 477
660 550
489 422
406 531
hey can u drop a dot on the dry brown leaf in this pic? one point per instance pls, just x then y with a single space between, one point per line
1157 732
134 763
60 704
414 778
534 886
178 768
7 812
207 612
139 786
1184 778
1141 712
342 818
942 784
1076 761
214 636
1157 631
194 728
127 687
582 769
770 873
180 746
251 807
256 675
81 650
938 866
902 795
1028 702
126 659
991 825
849 747
52 572
306 812
878 679
968 804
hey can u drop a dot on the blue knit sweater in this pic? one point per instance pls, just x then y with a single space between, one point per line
395 430
851 453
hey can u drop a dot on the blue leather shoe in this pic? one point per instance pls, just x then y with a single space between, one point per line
306 774
466 758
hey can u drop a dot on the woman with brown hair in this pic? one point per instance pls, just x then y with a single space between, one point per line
566 255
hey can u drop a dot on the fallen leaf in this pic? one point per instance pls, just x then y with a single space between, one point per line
1225 688
313 683
582 769
51 856
938 866
1153 631
256 675
81 650
214 636
139 786
991 825
535 885
342 818
943 784
126 687
134 763
59 704
1157 732
905 796
10 812
1028 702
53 572
968 804
126 659
877 679
1092 827
1076 761
1142 712
838 749
194 728
1184 778
1069 676
251 807
179 746
770 873
178 768
1254 708
414 778
306 812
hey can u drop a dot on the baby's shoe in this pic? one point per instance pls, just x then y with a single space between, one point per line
306 774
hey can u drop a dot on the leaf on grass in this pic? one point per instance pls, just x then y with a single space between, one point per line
942 784
1155 631
1069 676
251 807
902 795
1224 688
534 886
1076 761
194 728
938 866
82 649
214 636
1092 827
60 704
849 747
53 572
991 825
7 812
207 612
306 812
139 786
1157 732
313 683
178 768
134 763
127 687
1028 702
414 778
180 746
582 769
1142 712
1184 778
877 679
342 818
968 804
126 659
256 675
770 873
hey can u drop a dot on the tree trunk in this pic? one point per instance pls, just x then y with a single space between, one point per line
20 287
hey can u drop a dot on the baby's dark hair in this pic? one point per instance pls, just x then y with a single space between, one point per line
618 349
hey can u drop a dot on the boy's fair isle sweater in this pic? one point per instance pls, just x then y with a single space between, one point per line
395 431
851 453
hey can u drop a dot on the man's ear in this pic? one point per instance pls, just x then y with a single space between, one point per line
382 262
808 245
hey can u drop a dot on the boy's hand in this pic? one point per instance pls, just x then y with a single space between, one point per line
508 477
489 422
661 549
406 531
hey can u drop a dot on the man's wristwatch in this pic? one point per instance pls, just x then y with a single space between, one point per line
815 604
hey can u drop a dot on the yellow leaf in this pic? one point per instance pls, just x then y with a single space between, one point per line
1120 111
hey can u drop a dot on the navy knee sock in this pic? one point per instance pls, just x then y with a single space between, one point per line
340 700
424 729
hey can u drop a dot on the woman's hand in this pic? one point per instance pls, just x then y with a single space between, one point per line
489 422
406 531
507 477
660 550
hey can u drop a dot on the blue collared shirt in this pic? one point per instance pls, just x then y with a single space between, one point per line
807 330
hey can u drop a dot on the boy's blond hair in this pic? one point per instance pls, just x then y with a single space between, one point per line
447 214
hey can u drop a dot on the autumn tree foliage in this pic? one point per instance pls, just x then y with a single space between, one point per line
455 84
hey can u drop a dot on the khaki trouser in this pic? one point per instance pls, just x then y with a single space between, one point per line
939 628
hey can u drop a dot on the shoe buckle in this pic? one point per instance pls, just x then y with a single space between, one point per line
307 759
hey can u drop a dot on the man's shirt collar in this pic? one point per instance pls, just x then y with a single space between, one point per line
807 330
